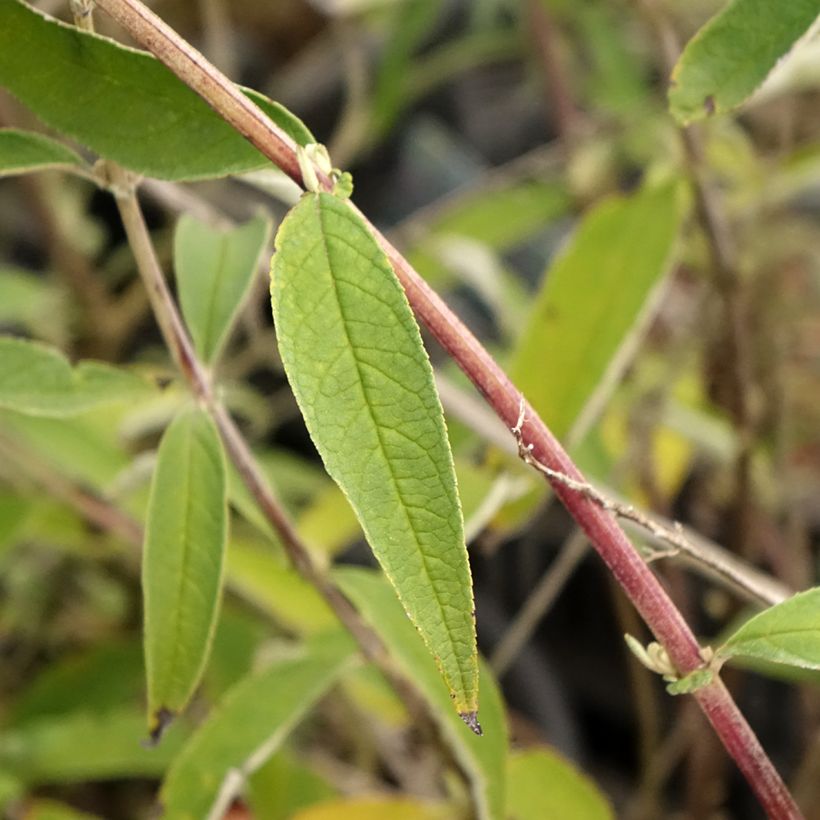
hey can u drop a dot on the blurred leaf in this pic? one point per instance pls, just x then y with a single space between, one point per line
733 54
31 303
248 726
185 536
262 576
376 808
354 358
122 103
52 810
84 448
541 784
84 746
214 271
24 151
615 78
594 303
236 640
38 380
13 512
328 522
103 678
528 207
482 758
282 786
788 633
410 21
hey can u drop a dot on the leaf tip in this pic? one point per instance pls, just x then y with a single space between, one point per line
160 721
471 719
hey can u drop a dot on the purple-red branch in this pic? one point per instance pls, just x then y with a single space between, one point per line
606 536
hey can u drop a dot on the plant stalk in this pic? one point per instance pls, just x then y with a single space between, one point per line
642 587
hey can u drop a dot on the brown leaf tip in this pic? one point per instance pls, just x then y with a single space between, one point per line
471 719
162 720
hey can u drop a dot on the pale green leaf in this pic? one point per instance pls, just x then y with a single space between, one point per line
283 785
107 676
185 536
24 151
593 302
38 380
248 726
32 303
482 758
787 633
376 808
270 583
122 103
84 746
354 358
214 271
541 784
733 54
42 809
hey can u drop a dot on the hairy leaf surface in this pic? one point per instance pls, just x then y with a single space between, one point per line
185 536
355 360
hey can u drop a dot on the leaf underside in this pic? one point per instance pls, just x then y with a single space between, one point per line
355 361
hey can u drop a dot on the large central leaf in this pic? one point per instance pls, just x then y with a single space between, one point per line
354 357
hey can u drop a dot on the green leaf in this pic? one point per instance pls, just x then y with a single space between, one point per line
122 103
248 726
542 784
591 308
271 584
83 746
482 758
185 536
107 676
354 358
52 810
32 303
787 633
284 785
214 271
37 380
733 54
24 151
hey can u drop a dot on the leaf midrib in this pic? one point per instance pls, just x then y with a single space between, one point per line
423 557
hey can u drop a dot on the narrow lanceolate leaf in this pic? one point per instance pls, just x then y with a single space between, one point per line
542 784
355 360
122 103
733 54
24 151
483 759
214 270
185 535
787 633
594 303
38 380
247 727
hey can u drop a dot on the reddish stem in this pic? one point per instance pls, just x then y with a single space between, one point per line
606 536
